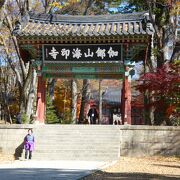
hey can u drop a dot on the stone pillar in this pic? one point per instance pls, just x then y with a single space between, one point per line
41 100
126 98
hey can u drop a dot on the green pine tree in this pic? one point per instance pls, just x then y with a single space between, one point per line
51 116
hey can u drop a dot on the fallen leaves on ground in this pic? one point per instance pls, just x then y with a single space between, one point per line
155 167
6 158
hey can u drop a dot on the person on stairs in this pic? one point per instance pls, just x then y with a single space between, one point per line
29 144
92 114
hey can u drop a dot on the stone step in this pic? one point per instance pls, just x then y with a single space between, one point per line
76 132
76 135
115 138
78 126
69 156
57 142
75 147
60 152
93 146
97 131
77 143
75 128
71 140
89 146
65 150
75 158
76 151
77 139
47 131
49 135
41 136
67 143
82 140
68 138
72 144
78 156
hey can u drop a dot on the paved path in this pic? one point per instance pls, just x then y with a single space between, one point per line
48 170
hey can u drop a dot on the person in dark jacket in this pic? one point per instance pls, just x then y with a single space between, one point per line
92 114
19 118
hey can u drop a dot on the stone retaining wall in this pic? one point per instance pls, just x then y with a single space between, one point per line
134 140
11 138
149 140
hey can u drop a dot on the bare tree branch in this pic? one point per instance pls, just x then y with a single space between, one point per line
88 6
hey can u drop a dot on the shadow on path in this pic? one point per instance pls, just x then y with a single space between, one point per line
18 151
42 174
129 176
164 165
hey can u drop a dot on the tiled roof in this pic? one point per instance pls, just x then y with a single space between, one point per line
87 26
110 96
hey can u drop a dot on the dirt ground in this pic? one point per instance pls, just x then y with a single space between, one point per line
149 168
6 158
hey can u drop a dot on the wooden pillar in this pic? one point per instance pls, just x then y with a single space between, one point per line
100 102
126 98
41 100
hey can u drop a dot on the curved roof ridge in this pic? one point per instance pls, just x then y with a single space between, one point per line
41 25
57 18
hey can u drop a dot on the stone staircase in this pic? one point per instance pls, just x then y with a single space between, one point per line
76 142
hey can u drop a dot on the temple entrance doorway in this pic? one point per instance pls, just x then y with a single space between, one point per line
104 95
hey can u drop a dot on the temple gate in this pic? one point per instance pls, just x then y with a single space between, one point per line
84 47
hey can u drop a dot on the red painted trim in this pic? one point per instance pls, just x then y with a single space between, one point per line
41 100
126 101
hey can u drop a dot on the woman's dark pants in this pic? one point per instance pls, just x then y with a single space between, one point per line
30 154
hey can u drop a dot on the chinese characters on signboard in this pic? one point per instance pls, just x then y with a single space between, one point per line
81 53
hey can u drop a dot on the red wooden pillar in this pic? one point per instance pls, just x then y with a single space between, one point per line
41 100
126 98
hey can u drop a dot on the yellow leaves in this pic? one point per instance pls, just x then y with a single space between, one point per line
62 98
177 62
176 9
1 41
56 5
66 4
73 1
60 6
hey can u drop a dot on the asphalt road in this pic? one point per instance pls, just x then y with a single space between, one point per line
48 170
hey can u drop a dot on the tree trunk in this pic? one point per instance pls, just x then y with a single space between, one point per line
9 113
87 7
51 89
6 108
48 8
74 101
152 109
84 99
100 102
31 96
6 97
85 88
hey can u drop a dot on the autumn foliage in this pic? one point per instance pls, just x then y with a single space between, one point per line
163 86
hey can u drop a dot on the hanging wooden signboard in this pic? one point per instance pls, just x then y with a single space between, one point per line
82 53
